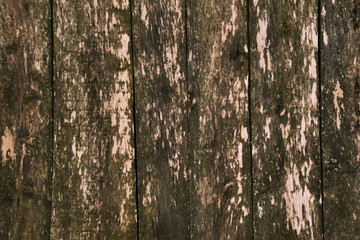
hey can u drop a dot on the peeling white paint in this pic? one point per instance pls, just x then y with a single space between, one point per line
240 162
325 36
285 130
84 184
261 41
125 4
312 67
144 16
338 93
245 211
147 196
267 128
127 166
37 64
231 27
299 201
313 95
244 133
123 52
268 60
7 145
239 183
260 210
302 145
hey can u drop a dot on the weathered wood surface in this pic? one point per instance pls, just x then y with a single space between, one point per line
207 167
94 194
25 119
340 80
285 119
219 120
161 118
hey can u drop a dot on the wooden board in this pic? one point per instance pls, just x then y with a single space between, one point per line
219 120
285 119
161 118
25 119
340 71
94 194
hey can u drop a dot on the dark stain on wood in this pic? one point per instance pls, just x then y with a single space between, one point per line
25 119
161 118
340 118
246 126
94 194
285 120
218 120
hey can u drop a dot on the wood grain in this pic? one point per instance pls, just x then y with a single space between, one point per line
161 118
219 120
25 119
341 118
94 194
285 119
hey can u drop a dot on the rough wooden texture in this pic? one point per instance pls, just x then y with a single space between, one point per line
340 118
160 94
94 174
25 119
219 120
285 119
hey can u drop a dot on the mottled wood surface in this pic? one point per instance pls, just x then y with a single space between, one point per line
285 119
161 118
341 118
245 126
25 119
94 194
220 192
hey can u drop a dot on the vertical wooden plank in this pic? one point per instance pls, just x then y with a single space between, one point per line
285 119
160 101
94 175
25 119
219 120
340 70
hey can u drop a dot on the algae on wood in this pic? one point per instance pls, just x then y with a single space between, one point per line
94 194
285 119
161 118
25 119
219 144
340 71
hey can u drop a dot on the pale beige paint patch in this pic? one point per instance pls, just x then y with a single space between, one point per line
240 153
231 27
338 93
147 196
244 133
312 67
302 145
313 96
267 128
125 4
325 36
7 145
261 41
299 201
123 52
144 16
